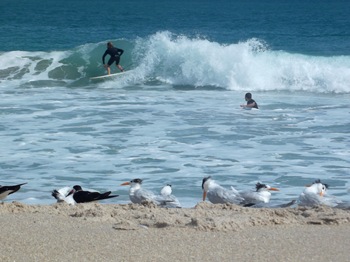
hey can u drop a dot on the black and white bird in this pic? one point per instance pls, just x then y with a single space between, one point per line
261 195
78 195
316 194
138 195
64 194
219 195
8 190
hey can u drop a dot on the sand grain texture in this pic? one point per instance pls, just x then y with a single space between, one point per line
99 232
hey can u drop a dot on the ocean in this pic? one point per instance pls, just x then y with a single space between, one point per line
176 117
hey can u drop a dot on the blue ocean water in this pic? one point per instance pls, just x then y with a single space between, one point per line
176 118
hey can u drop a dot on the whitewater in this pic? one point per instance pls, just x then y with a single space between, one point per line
176 117
181 61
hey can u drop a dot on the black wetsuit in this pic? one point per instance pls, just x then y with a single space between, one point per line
115 54
251 101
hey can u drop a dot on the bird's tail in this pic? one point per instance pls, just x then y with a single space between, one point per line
21 184
15 188
107 195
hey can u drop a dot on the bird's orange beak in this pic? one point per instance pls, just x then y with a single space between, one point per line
274 189
321 194
125 184
204 195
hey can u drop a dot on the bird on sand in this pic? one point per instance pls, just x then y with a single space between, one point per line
219 195
138 195
261 195
166 192
8 190
316 194
78 195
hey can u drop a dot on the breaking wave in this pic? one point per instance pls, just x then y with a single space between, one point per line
179 60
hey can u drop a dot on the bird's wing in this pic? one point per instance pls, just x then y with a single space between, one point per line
220 195
309 199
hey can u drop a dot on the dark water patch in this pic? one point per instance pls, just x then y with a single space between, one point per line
42 65
147 160
78 130
161 170
78 149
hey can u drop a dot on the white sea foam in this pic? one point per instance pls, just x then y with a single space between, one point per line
156 125
101 137
181 61
249 65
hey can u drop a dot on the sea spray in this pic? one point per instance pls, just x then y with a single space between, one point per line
178 60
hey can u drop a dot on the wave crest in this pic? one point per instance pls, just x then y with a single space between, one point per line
179 60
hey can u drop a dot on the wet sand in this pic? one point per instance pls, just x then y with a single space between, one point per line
207 232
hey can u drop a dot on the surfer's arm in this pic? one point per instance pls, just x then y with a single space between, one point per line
120 52
251 105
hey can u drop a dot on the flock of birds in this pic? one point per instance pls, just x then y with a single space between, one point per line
313 195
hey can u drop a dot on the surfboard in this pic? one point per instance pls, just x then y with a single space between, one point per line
110 76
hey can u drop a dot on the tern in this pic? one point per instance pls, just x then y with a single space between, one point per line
261 195
78 195
137 194
219 195
316 194
8 190
166 192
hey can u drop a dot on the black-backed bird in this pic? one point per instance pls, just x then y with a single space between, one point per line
78 195
8 190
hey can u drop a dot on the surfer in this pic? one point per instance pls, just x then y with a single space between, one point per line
250 102
115 54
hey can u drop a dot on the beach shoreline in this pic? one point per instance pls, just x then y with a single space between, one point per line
207 232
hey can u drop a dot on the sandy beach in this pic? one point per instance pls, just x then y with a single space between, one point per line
207 232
